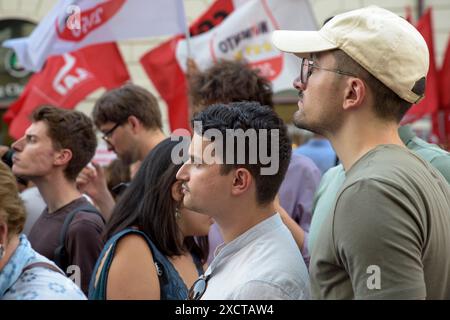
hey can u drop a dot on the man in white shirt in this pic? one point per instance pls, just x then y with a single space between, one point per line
238 157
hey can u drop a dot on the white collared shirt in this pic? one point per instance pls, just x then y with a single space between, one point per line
264 263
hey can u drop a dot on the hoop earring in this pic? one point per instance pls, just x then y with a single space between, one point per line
177 214
2 251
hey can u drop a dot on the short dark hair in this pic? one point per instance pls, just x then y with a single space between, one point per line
387 104
69 129
229 81
250 115
148 204
129 100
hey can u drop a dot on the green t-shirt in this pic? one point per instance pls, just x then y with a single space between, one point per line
333 179
326 192
388 233
439 158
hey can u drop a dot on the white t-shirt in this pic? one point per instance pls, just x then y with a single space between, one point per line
34 205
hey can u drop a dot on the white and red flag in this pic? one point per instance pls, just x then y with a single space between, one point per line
430 103
65 80
72 25
228 30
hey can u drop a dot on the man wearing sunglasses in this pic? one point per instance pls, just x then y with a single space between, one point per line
130 121
388 233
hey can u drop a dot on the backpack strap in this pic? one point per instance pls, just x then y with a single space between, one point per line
60 253
43 265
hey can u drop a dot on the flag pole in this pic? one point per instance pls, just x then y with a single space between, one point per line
188 42
188 49
187 34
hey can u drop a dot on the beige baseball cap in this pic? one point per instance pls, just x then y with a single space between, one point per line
386 45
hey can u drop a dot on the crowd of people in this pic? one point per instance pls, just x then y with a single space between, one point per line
362 211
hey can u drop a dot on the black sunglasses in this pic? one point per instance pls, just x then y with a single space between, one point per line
117 190
198 288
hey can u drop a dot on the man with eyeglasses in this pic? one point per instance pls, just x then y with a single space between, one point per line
130 120
388 233
334 178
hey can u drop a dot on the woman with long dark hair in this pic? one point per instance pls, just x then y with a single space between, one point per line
151 252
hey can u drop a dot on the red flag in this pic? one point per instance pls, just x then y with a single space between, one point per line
430 103
441 118
162 67
444 80
65 80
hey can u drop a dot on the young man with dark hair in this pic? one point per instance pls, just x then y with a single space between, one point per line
388 233
234 81
228 81
54 149
236 185
130 121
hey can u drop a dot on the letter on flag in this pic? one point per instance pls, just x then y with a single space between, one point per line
65 80
72 25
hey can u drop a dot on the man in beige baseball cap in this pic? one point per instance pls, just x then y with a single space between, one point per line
388 233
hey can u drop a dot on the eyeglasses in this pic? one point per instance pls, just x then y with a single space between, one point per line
107 135
198 288
307 66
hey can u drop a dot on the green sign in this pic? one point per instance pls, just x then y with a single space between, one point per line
13 77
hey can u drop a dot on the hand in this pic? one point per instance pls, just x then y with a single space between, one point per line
297 232
92 182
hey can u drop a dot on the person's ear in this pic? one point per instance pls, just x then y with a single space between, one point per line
177 194
63 157
354 93
242 180
135 124
3 234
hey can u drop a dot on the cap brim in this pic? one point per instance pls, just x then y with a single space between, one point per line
302 43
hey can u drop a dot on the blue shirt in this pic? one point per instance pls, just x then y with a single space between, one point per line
320 151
